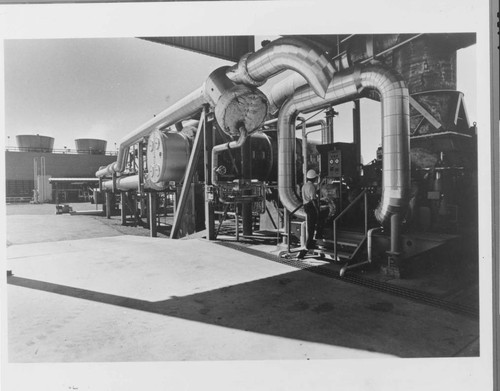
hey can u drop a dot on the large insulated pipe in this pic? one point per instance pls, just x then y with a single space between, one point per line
282 90
253 69
285 53
347 86
234 105
182 109
124 183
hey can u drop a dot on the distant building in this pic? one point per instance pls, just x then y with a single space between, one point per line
29 166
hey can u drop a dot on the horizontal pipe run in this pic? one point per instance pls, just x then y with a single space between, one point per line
182 109
124 183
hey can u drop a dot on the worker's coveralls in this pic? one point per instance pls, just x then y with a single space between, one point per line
311 209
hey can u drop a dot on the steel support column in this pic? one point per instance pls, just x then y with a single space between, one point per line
152 213
209 139
108 204
123 213
246 171
191 169
140 169
356 132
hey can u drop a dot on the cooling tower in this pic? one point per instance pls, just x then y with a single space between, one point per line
91 145
35 143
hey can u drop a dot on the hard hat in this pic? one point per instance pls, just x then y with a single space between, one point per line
311 174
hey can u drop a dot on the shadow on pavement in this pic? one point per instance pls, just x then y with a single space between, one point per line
297 305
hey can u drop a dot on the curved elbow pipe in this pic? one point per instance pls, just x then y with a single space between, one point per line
282 90
347 86
224 147
284 53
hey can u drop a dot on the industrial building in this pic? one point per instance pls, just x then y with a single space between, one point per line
31 164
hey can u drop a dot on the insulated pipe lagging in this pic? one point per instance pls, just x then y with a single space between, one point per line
285 53
253 69
182 109
347 86
122 183
234 104
282 90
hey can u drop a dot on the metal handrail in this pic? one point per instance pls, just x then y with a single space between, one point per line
363 195
289 225
65 151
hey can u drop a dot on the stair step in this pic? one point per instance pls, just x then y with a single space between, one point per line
344 255
340 242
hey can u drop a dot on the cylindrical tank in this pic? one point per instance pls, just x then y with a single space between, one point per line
261 157
35 143
167 156
91 145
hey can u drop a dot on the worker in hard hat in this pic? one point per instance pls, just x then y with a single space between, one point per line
310 202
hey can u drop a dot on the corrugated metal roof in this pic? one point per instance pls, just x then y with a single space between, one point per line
229 48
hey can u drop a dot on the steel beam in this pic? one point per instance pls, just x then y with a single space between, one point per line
356 135
246 171
108 204
209 202
123 197
153 220
191 169
428 116
140 165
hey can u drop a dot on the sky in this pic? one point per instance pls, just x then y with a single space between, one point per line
105 88
94 88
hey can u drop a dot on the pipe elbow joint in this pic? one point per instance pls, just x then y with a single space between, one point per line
240 75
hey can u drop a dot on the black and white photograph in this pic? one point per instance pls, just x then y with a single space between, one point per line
298 199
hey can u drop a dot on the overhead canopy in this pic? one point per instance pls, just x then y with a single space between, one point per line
229 48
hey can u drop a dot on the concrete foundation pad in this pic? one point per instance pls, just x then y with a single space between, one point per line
128 298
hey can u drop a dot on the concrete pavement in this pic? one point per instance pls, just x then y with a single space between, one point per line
114 297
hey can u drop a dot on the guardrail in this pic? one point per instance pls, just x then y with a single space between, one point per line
61 151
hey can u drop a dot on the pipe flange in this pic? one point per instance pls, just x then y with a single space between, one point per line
356 76
240 106
241 75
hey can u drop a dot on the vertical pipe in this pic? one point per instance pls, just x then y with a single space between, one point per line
42 181
304 150
153 225
286 227
329 115
366 212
